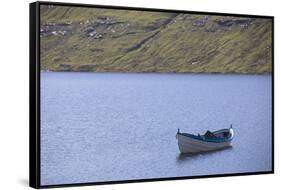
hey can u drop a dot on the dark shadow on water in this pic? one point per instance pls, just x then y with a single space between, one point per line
189 156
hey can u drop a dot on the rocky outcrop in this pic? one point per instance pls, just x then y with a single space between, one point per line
201 22
55 29
244 23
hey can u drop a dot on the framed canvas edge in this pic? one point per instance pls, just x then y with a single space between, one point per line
34 118
34 95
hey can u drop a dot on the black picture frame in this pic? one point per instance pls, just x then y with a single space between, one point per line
34 94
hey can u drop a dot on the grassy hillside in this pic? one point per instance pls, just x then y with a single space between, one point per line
101 40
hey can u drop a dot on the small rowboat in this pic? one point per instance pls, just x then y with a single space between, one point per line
189 143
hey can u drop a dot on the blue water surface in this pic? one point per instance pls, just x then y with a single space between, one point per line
108 126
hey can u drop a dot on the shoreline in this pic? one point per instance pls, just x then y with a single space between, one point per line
181 73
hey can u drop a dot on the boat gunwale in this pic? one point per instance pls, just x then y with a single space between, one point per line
214 140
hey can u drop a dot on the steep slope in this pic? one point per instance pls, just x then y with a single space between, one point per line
101 40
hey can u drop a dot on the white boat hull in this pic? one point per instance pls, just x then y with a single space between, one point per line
190 145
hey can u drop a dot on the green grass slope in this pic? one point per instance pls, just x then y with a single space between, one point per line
105 40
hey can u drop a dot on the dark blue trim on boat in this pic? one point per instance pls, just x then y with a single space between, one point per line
204 139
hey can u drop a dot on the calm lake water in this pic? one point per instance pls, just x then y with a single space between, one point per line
108 127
